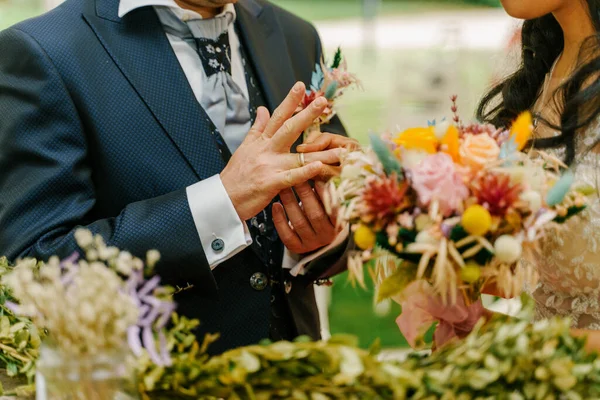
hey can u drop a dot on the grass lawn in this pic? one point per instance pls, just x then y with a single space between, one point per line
318 10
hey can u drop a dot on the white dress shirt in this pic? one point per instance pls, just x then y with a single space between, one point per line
210 205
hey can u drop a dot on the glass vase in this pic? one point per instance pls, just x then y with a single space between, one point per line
110 376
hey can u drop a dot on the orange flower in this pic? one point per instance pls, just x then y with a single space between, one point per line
418 139
450 143
522 129
478 150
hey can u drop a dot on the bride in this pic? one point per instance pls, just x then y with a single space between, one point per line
559 81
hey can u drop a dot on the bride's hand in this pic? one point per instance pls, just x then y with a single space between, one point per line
328 141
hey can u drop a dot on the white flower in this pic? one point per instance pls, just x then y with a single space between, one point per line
533 198
152 257
412 158
84 238
87 313
214 63
351 172
441 129
108 253
508 249
91 255
210 48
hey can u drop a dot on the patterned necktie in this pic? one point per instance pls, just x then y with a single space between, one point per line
214 54
222 99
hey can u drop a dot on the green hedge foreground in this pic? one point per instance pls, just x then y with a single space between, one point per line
504 359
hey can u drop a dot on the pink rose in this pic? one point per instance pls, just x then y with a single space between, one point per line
478 150
436 178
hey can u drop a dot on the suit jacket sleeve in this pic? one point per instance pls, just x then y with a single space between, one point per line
47 185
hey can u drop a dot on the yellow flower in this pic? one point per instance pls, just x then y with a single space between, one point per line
364 237
522 129
471 272
451 143
418 138
477 220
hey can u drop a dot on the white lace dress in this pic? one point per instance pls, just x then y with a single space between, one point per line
569 264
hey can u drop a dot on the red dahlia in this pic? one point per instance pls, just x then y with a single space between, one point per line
497 193
385 198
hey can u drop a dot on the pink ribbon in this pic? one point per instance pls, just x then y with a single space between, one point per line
422 306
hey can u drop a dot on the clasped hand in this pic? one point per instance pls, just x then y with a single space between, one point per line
306 227
263 167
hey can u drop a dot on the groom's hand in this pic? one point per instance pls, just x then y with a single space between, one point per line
263 166
307 227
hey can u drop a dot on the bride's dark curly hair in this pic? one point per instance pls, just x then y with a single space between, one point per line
579 97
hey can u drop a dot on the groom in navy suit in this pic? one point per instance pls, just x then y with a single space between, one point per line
149 122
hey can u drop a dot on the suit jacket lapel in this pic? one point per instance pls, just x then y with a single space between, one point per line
141 50
268 51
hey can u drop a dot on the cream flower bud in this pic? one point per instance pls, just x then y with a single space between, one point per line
351 172
425 237
441 129
152 257
84 238
91 255
508 249
534 199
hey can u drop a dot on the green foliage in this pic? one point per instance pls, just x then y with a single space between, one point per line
337 58
398 281
503 358
19 338
390 162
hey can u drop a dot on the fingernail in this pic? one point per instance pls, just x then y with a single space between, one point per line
320 102
297 87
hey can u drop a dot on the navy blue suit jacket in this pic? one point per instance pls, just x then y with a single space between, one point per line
100 128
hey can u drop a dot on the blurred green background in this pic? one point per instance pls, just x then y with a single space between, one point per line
410 55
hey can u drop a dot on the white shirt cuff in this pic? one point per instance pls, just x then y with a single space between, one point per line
296 263
222 233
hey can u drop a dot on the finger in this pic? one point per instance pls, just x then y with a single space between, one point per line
262 118
312 135
321 189
296 216
329 157
291 129
328 141
285 110
293 177
287 235
327 172
322 142
314 211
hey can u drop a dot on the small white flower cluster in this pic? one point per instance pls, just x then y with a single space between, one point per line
82 303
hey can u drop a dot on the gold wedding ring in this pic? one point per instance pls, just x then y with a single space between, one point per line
301 159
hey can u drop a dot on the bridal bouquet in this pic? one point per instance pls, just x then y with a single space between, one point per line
443 211
330 81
